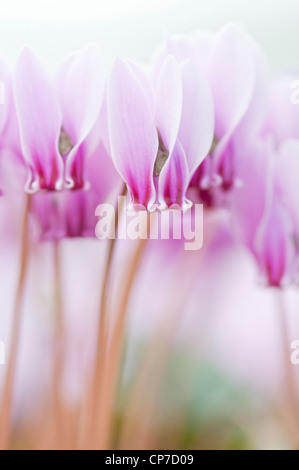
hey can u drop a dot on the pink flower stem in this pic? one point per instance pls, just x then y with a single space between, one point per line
90 406
6 401
60 430
289 370
105 412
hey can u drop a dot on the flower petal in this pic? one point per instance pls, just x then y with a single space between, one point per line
251 201
238 80
133 136
39 120
174 180
232 76
169 103
283 114
80 85
197 124
144 82
276 250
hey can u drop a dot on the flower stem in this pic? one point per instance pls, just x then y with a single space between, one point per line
143 400
102 328
58 415
6 402
290 378
91 404
104 416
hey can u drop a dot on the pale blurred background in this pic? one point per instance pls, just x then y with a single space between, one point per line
133 28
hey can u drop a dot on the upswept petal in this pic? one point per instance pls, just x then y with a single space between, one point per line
169 103
40 120
255 115
133 136
69 214
232 74
80 85
252 200
174 180
286 180
144 82
197 123
276 250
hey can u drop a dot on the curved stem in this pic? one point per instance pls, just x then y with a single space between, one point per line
6 402
102 327
59 427
104 416
91 404
290 377
143 399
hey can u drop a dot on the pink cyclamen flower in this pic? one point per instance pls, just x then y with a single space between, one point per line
261 216
56 116
71 213
235 69
281 128
159 135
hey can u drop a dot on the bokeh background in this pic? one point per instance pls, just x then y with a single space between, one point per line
133 29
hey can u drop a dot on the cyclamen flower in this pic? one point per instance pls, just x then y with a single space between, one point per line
55 117
266 207
235 70
71 213
159 135
281 128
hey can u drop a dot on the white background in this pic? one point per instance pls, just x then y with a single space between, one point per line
133 28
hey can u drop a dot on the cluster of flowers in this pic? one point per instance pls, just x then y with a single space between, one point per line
202 123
